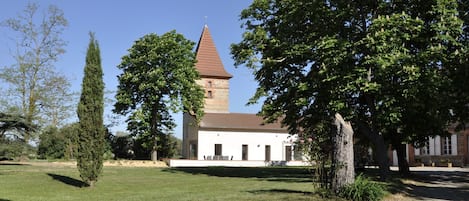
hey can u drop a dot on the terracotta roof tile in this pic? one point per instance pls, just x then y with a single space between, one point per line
208 60
238 121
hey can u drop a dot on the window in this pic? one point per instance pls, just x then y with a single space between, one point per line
446 143
425 150
217 149
245 152
297 153
209 84
209 94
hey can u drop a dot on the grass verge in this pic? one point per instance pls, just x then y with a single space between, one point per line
42 182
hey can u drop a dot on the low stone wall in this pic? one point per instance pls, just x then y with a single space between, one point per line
230 163
440 161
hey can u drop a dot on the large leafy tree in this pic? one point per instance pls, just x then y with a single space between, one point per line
460 74
381 64
35 89
158 78
91 140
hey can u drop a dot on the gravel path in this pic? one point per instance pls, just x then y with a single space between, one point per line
435 183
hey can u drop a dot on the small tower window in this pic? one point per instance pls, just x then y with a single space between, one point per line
209 94
209 84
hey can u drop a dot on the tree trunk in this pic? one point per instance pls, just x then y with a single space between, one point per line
154 130
401 159
154 151
154 155
91 183
382 157
342 163
380 148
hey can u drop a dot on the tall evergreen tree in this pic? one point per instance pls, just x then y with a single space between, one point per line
91 140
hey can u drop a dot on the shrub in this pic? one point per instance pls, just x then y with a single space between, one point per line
10 149
363 189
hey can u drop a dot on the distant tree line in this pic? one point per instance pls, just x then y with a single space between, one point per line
61 143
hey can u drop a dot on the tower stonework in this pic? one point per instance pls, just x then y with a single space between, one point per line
216 94
214 78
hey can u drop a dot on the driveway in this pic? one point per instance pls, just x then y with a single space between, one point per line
435 183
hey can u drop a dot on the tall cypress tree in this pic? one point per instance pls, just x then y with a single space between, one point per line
91 139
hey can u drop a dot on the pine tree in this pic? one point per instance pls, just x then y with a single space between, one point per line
90 113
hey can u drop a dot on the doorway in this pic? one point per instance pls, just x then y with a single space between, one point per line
288 153
267 152
245 152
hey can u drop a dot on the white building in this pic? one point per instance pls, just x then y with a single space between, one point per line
226 136
236 136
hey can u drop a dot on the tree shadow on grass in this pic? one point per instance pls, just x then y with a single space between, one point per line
278 174
68 180
281 191
4 199
287 194
3 163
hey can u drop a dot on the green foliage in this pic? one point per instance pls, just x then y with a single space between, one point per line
172 146
128 147
122 147
363 189
158 77
391 68
15 123
55 143
11 149
317 148
70 133
141 152
52 144
12 130
91 139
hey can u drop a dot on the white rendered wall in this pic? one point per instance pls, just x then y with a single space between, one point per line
232 144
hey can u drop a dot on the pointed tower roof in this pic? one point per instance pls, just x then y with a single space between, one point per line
208 61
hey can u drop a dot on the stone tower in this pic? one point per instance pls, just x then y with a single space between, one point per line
215 81
214 78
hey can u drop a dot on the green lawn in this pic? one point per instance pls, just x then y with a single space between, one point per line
32 182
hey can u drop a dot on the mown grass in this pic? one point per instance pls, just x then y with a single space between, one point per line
31 182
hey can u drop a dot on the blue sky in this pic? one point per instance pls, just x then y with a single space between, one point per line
118 23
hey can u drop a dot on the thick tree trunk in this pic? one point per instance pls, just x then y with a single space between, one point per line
154 151
382 156
381 149
154 155
342 162
402 159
